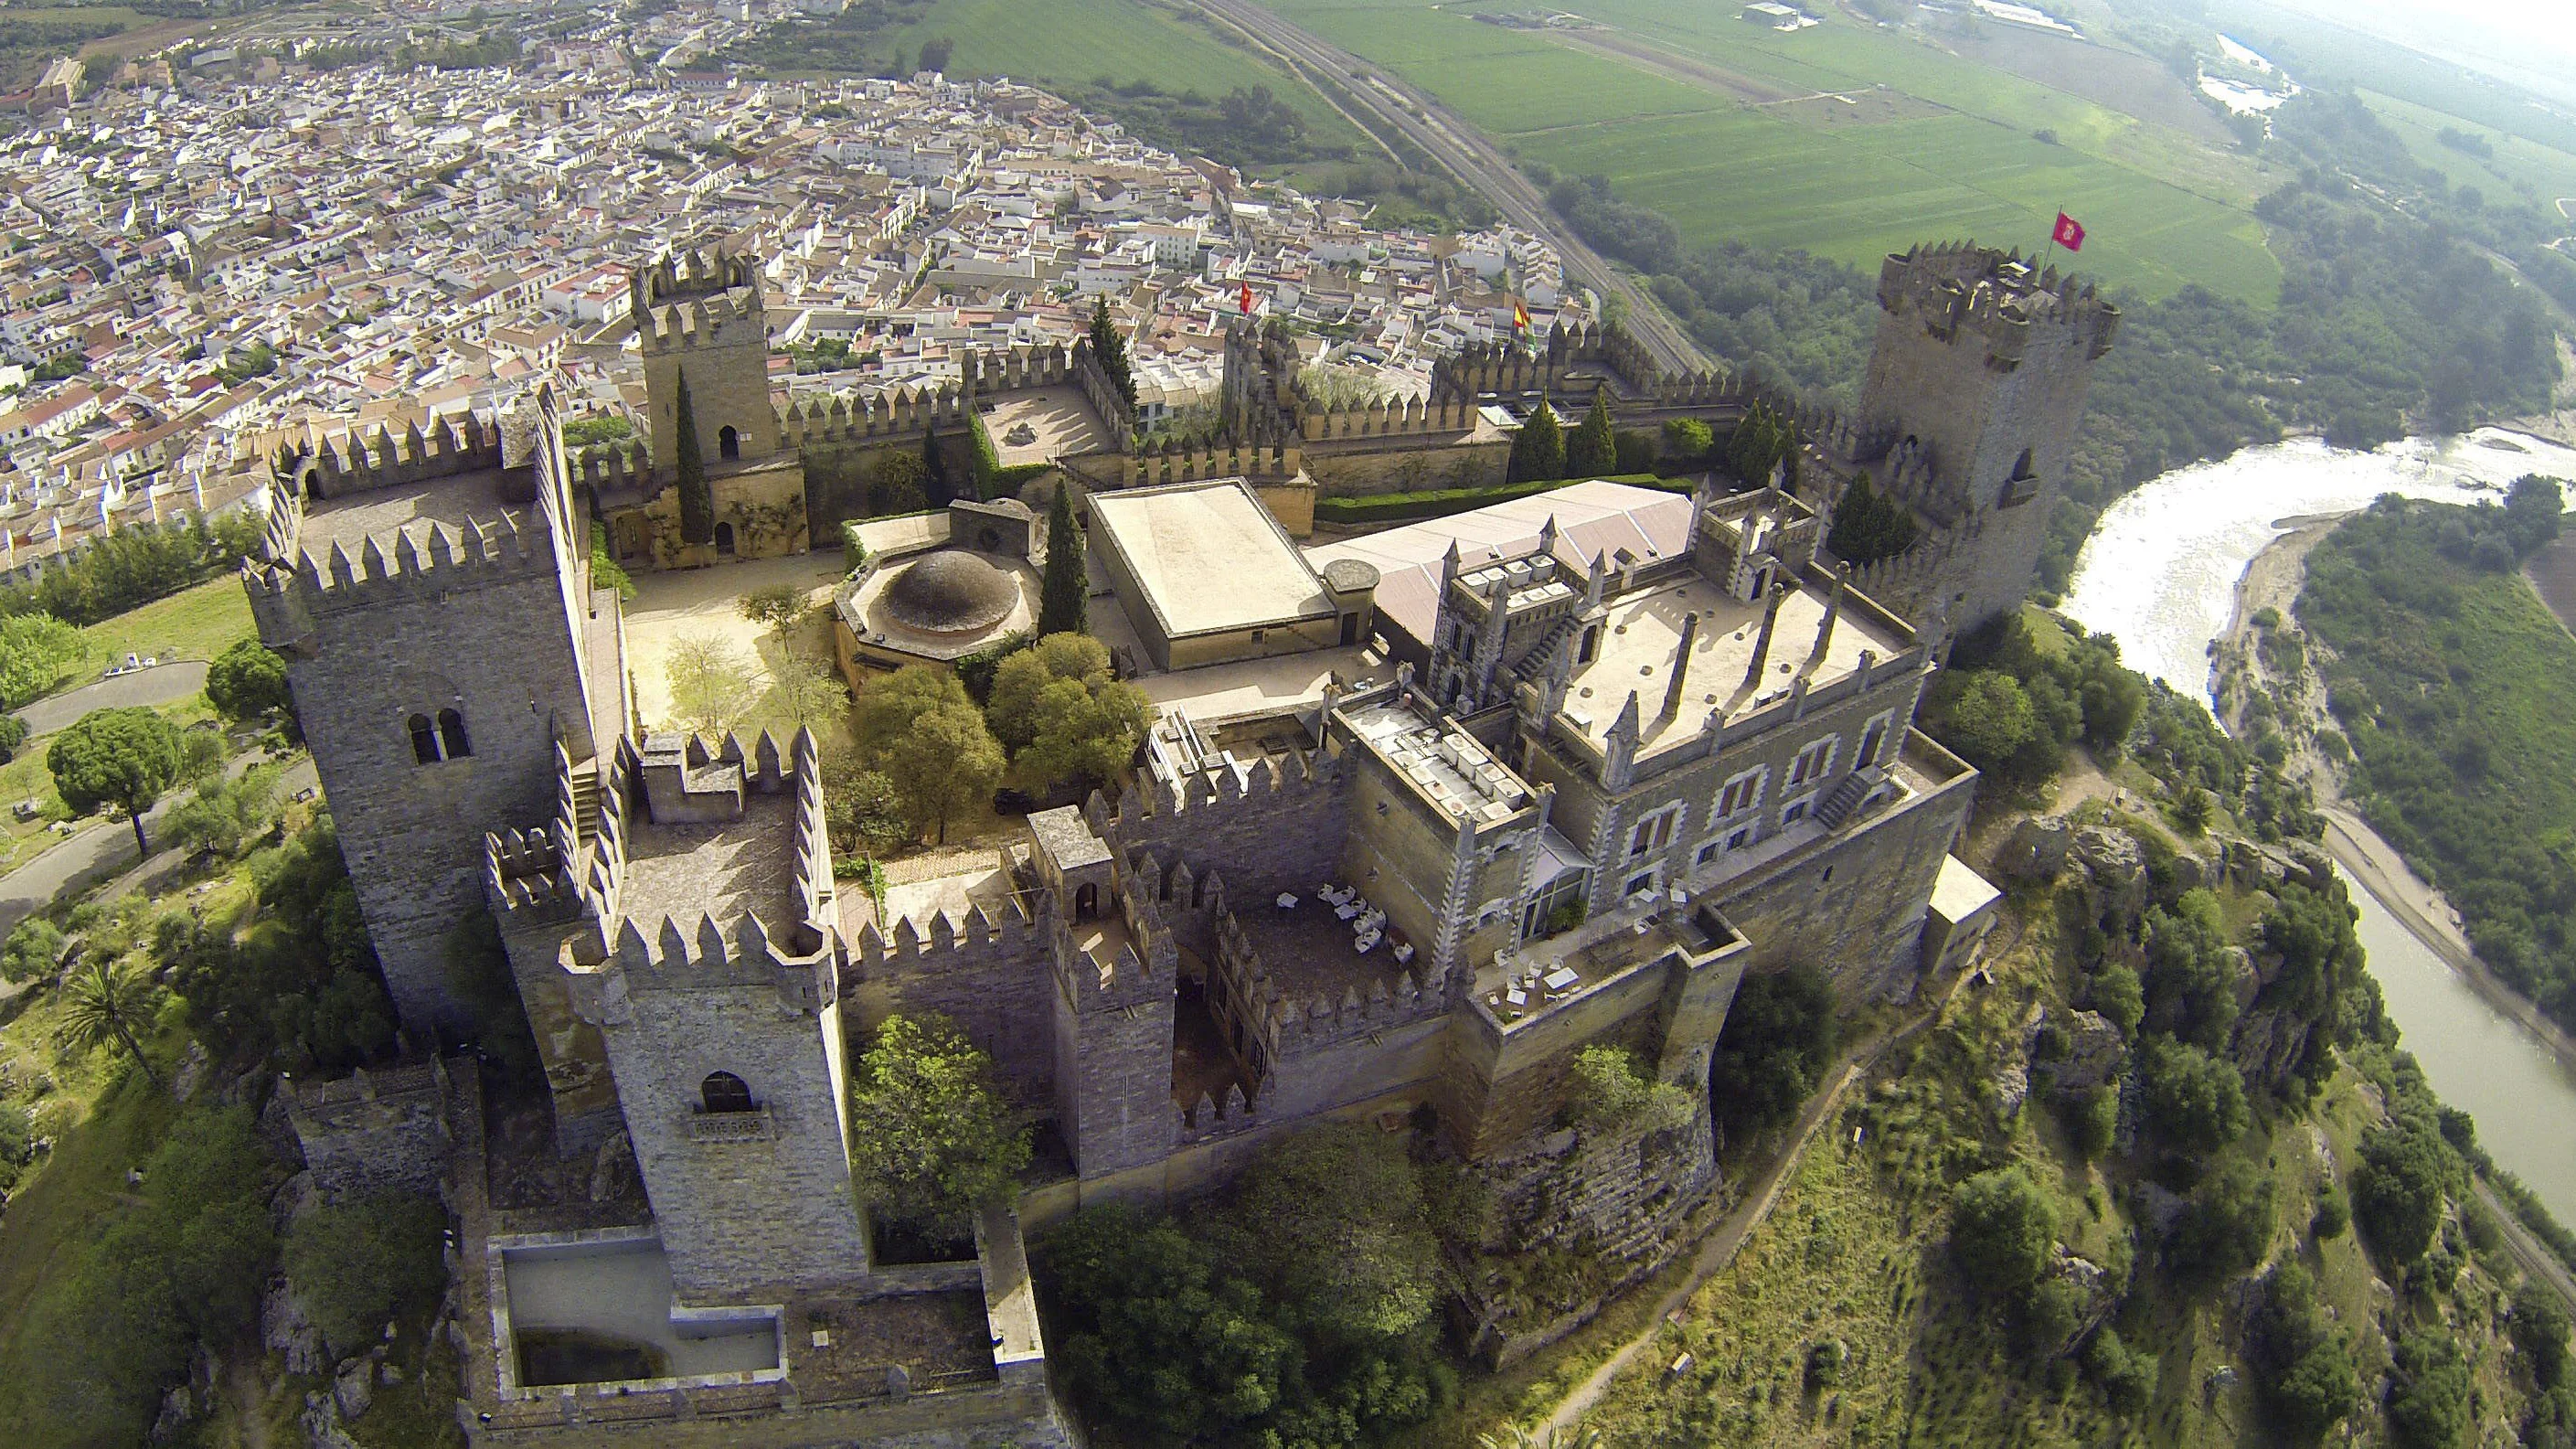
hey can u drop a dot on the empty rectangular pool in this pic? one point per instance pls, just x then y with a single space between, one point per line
600 1311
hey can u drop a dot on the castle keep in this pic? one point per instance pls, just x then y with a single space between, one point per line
1424 812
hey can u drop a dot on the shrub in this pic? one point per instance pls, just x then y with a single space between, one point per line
2334 1213
356 1264
1612 1086
2428 1402
2127 1380
2397 1189
2001 1231
2539 1330
930 1137
2309 1383
2194 1101
34 949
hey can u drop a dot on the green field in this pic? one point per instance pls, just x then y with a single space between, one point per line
1077 42
197 623
1699 116
2519 167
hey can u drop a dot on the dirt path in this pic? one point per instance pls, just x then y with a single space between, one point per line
2552 573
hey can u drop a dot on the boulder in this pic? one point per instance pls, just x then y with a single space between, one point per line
2012 1088
2190 872
2036 849
2094 1052
355 1388
2117 867
286 1329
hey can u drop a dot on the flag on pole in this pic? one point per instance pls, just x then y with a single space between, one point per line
1247 299
2069 233
1520 316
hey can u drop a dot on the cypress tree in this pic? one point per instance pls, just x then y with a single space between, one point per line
1592 449
1538 450
1111 349
934 473
697 505
1869 525
1064 594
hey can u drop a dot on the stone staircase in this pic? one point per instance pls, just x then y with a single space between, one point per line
1537 659
585 799
1838 806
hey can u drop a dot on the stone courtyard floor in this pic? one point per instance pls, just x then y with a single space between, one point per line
681 603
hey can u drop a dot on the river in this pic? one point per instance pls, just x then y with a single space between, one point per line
2160 573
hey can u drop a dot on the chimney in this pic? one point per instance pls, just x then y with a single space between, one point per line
1762 644
1825 630
1681 668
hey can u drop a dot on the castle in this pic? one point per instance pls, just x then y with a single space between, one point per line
1575 764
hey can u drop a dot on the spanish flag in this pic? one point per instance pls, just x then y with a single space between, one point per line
1520 316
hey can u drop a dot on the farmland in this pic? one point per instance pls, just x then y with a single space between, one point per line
1844 139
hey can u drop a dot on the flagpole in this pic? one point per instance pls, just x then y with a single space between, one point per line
2052 231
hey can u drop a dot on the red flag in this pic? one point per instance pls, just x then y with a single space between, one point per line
2069 233
1247 299
1520 316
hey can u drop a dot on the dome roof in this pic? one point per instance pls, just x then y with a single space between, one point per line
951 592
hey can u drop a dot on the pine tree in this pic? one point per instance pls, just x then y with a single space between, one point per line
1869 525
697 504
1538 450
1063 597
1111 350
1592 449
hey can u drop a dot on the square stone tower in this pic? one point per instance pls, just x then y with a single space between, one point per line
1981 367
700 312
431 597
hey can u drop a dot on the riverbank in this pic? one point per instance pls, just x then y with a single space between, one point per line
2273 581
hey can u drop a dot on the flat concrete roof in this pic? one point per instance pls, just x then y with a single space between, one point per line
1646 628
1208 557
1214 692
1591 518
1958 892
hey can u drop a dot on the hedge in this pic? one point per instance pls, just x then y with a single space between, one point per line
1007 481
1441 502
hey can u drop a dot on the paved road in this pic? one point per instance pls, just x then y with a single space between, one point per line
161 684
1391 105
98 851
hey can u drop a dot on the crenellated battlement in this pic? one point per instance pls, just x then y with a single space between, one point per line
852 417
1157 464
353 460
1140 816
1961 289
1290 1023
682 298
425 562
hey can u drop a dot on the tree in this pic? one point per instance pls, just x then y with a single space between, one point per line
355 1264
2539 1329
935 52
2127 1380
1064 594
937 488
1333 1221
2195 1101
247 683
1869 525
931 1139
1109 349
226 815
2118 996
35 649
712 689
1592 449
1614 1087
1689 440
2397 1189
1985 716
13 733
1778 1038
2428 1400
806 691
898 486
108 1001
1538 449
773 608
120 757
1011 705
34 949
1082 732
2227 1227
943 766
2191 971
1762 442
2311 1383
2002 1231
697 503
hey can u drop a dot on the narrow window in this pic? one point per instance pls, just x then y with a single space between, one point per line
725 1092
729 444
451 735
1869 743
1794 813
424 740
1591 645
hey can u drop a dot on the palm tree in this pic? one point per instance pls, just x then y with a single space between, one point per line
104 1002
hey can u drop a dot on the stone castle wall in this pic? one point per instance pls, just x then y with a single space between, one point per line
1280 830
374 1130
991 974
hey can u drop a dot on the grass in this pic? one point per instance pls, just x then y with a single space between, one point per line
2165 206
197 623
103 1133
